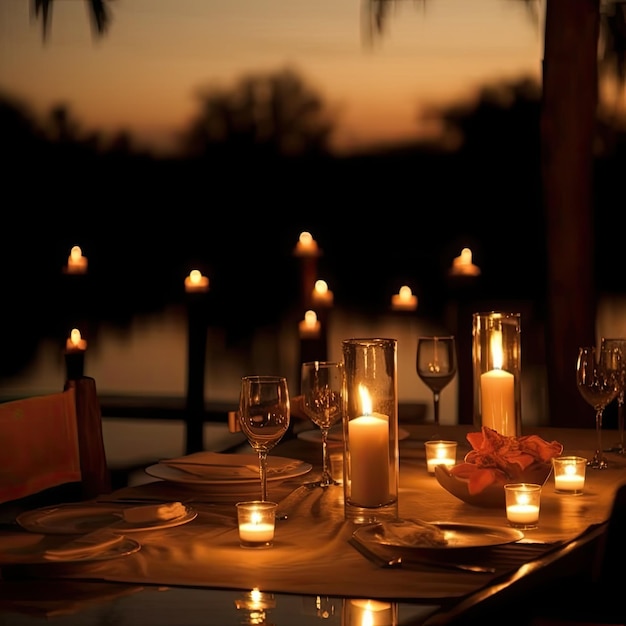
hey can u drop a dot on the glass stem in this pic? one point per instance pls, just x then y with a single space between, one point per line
436 405
620 422
263 474
598 455
326 476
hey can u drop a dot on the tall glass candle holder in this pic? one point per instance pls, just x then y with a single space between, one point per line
496 356
370 429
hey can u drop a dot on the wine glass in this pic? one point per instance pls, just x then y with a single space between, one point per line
321 385
620 345
264 414
597 378
436 364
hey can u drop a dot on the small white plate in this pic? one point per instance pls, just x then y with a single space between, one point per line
278 468
75 519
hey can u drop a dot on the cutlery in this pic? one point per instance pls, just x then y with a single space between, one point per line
396 560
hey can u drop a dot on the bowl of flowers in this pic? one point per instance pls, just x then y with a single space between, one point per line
495 460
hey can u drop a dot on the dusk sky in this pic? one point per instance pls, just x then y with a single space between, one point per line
143 74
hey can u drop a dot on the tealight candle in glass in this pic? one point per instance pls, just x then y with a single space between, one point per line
256 520
439 452
522 504
569 474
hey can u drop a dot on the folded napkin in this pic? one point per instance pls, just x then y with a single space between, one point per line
217 465
85 546
411 533
148 513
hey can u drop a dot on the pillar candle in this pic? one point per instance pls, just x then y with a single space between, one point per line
498 401
369 459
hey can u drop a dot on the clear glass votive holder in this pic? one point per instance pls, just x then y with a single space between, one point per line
569 474
370 430
523 501
440 452
256 520
496 358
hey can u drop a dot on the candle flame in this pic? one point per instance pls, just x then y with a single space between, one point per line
523 498
75 336
195 276
570 470
76 253
367 618
256 518
496 349
466 257
366 401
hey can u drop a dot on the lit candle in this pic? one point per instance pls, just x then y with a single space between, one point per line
310 326
306 246
522 504
404 300
569 474
76 262
256 520
196 282
440 453
369 455
463 266
322 296
497 396
75 343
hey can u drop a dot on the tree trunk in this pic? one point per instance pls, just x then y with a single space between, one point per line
570 95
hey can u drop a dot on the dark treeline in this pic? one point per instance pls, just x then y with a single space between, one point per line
233 201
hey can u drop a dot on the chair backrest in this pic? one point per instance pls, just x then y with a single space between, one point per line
52 440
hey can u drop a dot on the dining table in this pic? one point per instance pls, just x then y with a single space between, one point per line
197 572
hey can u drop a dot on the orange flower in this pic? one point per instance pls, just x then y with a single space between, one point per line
497 459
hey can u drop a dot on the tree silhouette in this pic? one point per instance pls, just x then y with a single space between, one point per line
269 115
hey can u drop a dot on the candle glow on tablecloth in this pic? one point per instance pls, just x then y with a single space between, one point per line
369 454
322 296
497 393
196 282
76 262
404 300
75 342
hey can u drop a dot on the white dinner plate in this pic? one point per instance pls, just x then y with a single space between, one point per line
278 468
83 518
458 536
336 434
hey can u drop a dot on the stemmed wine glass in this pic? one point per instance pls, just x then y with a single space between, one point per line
264 414
321 385
620 345
436 364
597 378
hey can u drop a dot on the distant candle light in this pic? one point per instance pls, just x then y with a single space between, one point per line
76 262
322 296
310 326
462 265
75 342
196 282
404 300
306 246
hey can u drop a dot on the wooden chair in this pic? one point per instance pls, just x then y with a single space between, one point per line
52 447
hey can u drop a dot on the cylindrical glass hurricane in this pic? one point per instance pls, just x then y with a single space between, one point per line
370 430
496 356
